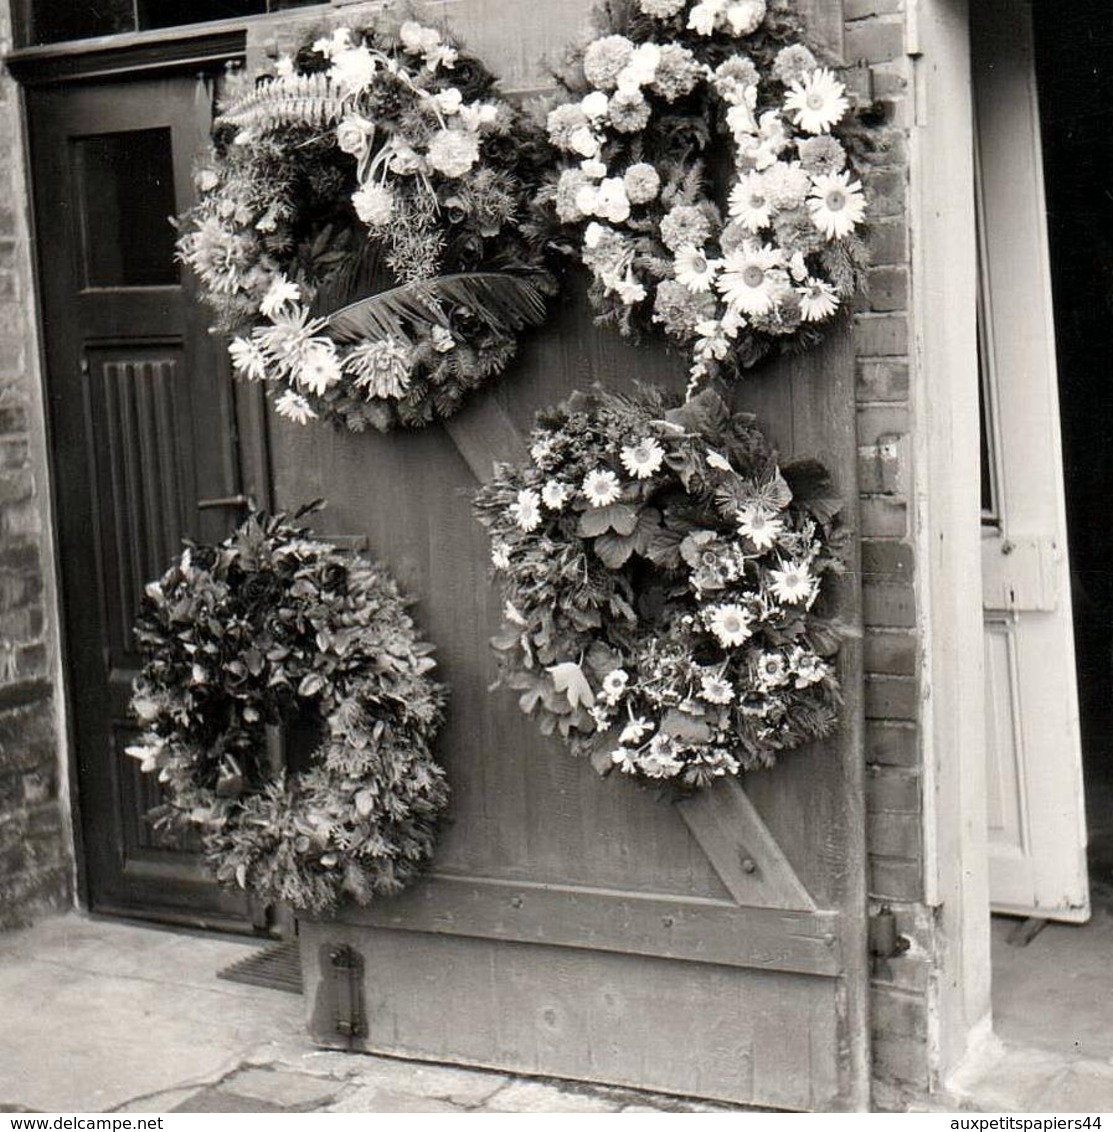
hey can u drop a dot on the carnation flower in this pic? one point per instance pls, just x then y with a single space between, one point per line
374 205
614 684
661 9
786 184
601 487
381 368
417 39
680 310
449 101
736 80
822 154
759 526
294 407
453 152
793 584
248 359
594 105
730 623
772 671
568 186
706 16
793 64
818 300
626 287
837 205
751 277
749 203
353 69
526 511
353 134
716 690
817 102
628 111
642 183
741 123
320 368
641 460
677 72
281 293
605 58
685 224
744 17
695 270
555 494
611 201
563 121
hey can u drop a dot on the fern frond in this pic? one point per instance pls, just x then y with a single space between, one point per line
287 100
504 301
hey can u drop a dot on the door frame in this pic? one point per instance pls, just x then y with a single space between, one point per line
146 55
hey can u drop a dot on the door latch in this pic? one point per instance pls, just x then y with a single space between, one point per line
239 502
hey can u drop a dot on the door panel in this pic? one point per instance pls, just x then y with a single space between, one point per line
144 425
1037 830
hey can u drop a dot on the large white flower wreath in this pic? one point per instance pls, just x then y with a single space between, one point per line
731 262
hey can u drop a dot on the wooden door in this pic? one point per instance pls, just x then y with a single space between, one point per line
1036 817
145 441
578 926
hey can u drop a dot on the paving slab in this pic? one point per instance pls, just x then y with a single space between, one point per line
375 1098
540 1096
297 1092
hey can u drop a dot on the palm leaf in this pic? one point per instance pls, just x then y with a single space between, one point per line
504 300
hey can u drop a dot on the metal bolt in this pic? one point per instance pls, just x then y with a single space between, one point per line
749 865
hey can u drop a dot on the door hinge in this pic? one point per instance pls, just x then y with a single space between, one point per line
345 972
885 940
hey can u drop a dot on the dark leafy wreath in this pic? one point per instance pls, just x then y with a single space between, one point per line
663 578
360 229
270 627
710 180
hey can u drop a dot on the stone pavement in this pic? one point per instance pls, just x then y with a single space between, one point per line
102 1016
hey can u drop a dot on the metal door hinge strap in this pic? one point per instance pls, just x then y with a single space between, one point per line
347 973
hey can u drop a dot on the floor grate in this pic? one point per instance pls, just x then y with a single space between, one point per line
276 966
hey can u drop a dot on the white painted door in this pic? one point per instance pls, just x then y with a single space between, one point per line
1037 831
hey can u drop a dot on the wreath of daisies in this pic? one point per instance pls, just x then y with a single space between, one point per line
359 226
663 577
275 627
647 103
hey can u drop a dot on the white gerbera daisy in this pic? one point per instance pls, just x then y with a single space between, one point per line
248 359
817 102
750 204
716 690
772 671
614 684
759 526
280 293
818 300
601 487
641 460
730 623
751 277
695 270
554 494
837 204
293 406
793 584
320 369
526 511
807 667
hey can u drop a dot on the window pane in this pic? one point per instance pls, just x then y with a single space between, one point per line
127 192
52 20
170 13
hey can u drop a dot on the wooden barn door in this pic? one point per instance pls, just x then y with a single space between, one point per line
577 926
146 440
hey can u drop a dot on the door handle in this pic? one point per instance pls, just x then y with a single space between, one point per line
238 502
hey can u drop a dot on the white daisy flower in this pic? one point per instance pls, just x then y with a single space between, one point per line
601 487
248 359
641 460
614 684
526 512
716 690
555 494
772 671
807 667
320 369
750 204
635 731
730 623
752 276
818 301
541 451
793 584
837 204
759 526
817 102
695 270
294 407
279 294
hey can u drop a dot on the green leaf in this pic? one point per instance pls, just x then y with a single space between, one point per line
504 301
613 551
812 488
685 728
617 517
601 761
663 548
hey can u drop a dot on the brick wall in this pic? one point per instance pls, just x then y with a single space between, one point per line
35 864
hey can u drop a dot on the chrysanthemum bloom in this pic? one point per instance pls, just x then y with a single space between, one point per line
760 526
247 359
679 310
374 205
695 270
555 494
772 671
751 277
736 79
817 102
281 293
730 623
605 58
642 183
294 407
453 152
822 154
526 511
500 556
684 224
677 72
563 121
353 69
601 487
786 184
793 64
320 369
716 690
628 112
642 68
818 300
837 205
793 583
642 459
749 203
381 369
